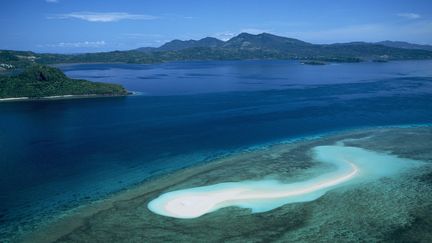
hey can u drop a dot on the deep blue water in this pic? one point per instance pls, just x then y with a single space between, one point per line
55 155
203 77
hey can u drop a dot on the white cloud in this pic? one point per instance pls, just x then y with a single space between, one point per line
341 34
103 17
140 35
177 16
52 1
409 15
410 31
224 35
81 44
254 31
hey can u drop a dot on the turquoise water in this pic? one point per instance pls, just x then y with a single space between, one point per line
56 155
351 165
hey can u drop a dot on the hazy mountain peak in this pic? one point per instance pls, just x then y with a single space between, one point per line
404 45
176 44
266 45
262 41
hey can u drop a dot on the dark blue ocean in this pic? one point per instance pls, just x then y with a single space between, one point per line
56 155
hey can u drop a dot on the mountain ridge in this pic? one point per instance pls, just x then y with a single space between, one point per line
404 45
244 46
176 44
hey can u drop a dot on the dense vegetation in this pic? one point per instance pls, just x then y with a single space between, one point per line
39 81
313 62
16 59
241 47
405 45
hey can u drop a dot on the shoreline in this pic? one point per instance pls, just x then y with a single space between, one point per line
77 217
65 64
62 97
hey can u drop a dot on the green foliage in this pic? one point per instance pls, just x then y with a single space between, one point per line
40 81
313 62
18 59
241 47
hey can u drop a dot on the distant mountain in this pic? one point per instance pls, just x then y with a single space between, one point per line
264 41
243 41
372 51
269 46
405 45
241 47
146 49
176 45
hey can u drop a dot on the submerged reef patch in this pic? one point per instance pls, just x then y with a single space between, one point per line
351 165
389 199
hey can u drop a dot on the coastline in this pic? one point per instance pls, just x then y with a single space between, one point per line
78 217
62 97
66 64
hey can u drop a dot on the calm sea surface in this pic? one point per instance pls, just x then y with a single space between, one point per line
56 155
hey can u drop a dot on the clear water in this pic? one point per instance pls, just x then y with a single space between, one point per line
351 165
214 76
55 155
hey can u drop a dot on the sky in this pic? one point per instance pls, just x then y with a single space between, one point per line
74 26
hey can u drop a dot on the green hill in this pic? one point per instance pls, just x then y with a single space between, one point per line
177 45
40 81
405 45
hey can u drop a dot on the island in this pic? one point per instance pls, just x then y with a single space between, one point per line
379 60
313 62
244 46
44 82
